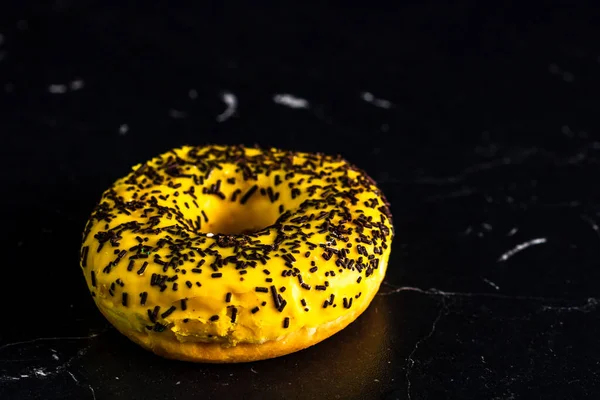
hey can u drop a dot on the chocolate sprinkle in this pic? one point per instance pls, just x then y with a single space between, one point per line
282 306
168 312
248 194
143 268
84 255
275 296
154 313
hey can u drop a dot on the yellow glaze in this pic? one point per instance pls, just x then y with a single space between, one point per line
145 241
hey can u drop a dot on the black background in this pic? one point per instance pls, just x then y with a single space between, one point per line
489 140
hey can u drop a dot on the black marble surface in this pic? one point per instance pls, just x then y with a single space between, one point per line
481 126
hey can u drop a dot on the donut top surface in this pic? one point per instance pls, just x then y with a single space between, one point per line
233 244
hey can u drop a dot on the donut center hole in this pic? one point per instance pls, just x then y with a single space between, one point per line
233 219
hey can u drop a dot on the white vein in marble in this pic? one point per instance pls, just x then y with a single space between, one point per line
370 98
291 101
231 102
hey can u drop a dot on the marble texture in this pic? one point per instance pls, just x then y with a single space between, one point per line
480 125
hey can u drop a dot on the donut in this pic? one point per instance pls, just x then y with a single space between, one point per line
225 254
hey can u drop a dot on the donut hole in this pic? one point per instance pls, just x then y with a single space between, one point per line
231 218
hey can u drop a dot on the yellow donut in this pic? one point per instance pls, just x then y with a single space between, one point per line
233 254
